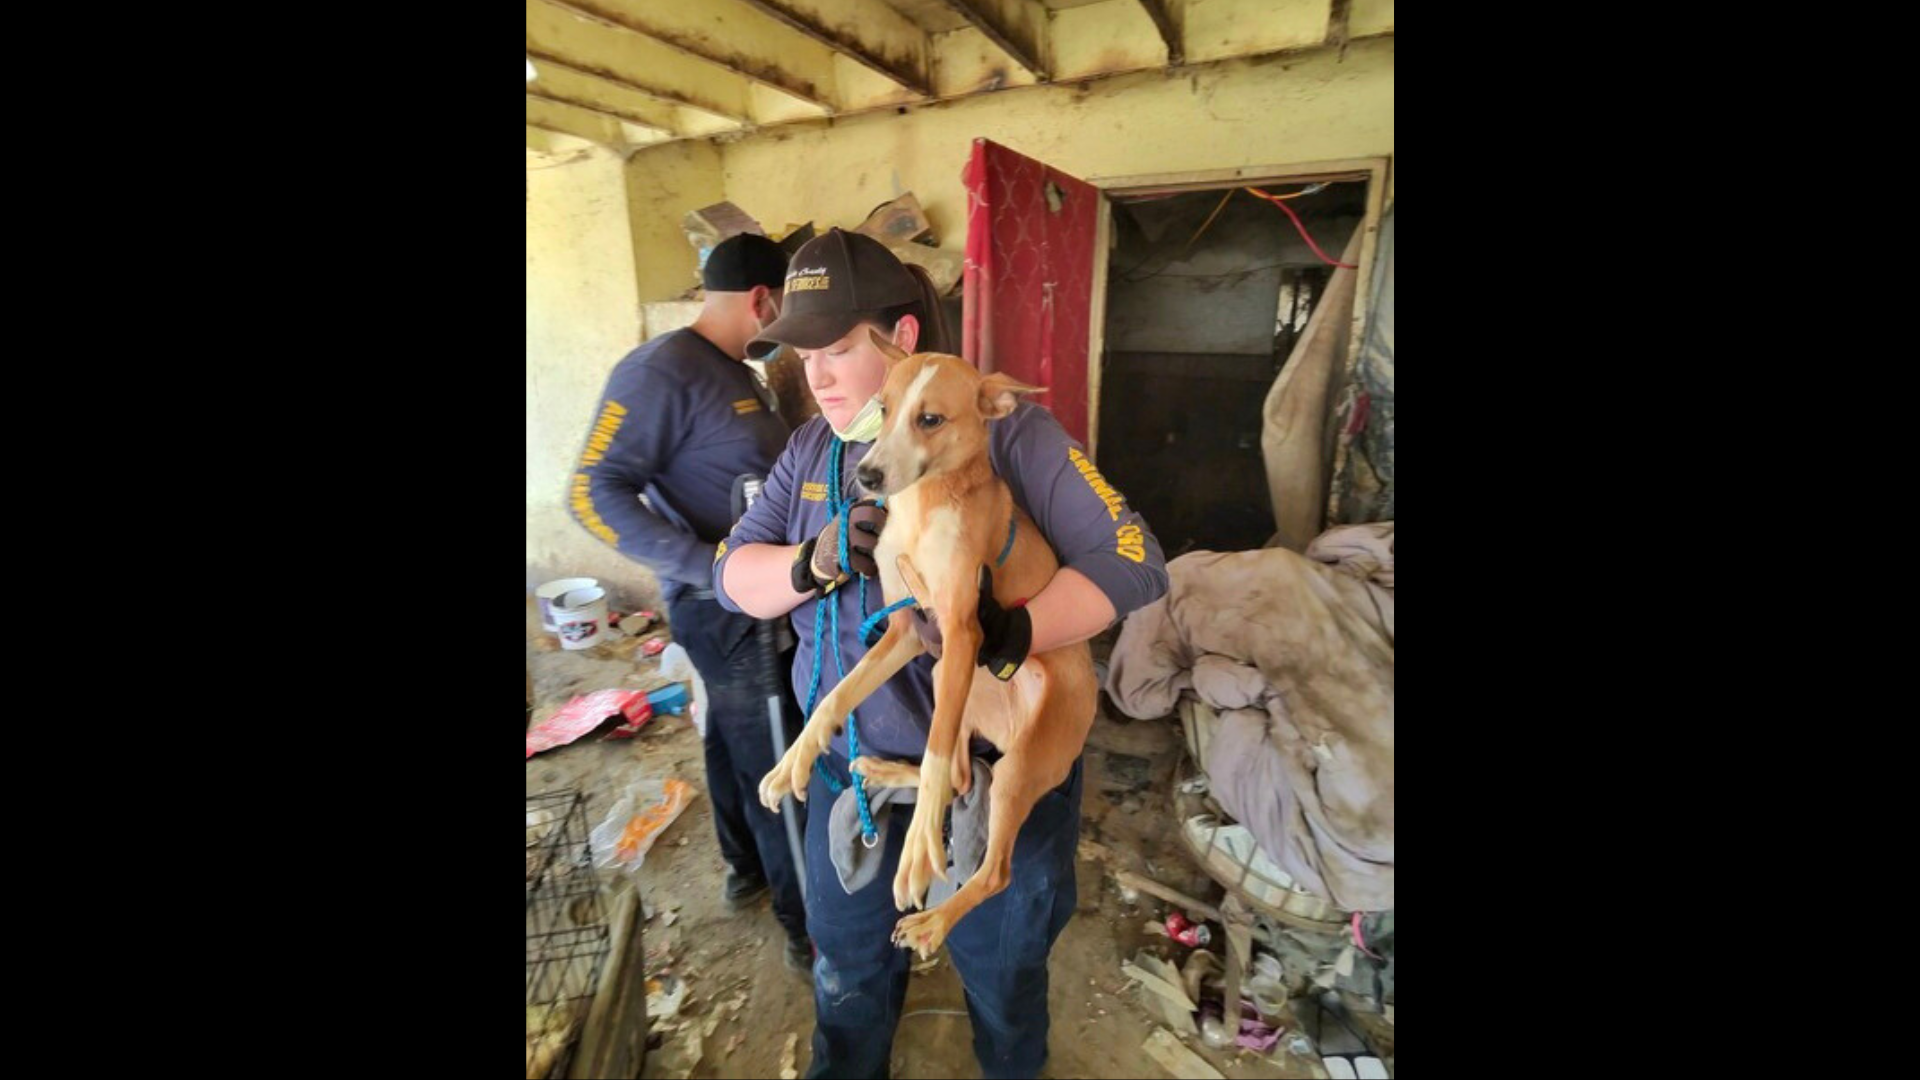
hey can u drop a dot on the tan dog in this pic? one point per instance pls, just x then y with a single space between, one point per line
947 516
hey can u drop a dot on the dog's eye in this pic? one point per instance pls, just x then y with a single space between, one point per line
928 421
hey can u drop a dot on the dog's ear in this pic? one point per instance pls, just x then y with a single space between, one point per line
892 351
999 394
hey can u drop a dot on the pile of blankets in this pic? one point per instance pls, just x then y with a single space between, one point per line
1295 653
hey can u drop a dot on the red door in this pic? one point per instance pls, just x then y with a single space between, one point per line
1028 288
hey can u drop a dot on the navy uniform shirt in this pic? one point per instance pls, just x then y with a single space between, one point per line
678 421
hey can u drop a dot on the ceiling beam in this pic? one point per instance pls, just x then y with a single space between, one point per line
1016 26
1339 25
866 31
604 110
590 124
555 129
657 91
700 30
1163 21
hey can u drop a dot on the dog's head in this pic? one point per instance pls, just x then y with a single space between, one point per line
937 408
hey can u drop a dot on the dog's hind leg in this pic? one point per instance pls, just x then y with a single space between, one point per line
923 857
881 773
1016 788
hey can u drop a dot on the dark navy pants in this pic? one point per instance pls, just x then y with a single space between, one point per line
999 949
726 652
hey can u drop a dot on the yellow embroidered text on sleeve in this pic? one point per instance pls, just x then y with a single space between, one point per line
1115 503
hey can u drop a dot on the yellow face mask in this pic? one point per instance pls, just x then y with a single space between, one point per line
865 425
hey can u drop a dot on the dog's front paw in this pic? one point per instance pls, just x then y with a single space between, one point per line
923 931
789 776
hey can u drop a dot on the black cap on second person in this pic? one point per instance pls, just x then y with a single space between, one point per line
742 261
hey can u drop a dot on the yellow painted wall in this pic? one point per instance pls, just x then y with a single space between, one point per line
663 184
581 319
1263 111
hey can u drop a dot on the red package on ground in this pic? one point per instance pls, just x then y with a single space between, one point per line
1188 933
583 714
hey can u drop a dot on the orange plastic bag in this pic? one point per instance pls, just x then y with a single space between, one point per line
624 837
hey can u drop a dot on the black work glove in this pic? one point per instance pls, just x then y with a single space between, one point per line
817 566
1005 633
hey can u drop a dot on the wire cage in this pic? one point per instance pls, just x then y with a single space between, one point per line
1227 850
567 933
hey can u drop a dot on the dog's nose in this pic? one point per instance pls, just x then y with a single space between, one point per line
871 479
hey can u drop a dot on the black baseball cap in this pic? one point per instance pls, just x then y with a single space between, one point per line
742 261
833 281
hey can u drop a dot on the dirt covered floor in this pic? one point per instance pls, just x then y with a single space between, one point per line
741 1004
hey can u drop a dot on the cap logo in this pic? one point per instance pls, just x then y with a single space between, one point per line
805 278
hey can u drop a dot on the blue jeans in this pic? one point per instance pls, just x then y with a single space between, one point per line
999 949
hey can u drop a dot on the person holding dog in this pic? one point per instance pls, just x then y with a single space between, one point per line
783 558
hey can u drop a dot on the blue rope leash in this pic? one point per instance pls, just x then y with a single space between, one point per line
826 621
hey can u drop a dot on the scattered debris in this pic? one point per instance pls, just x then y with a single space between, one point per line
787 1071
1267 988
709 225
1128 880
670 918
1257 1036
549 1031
897 222
1213 1029
733 1043
943 266
670 700
1186 932
585 713
664 995
626 834
680 1059
1179 1061
1201 965
1167 999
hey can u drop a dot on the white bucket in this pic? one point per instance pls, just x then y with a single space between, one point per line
551 591
580 617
